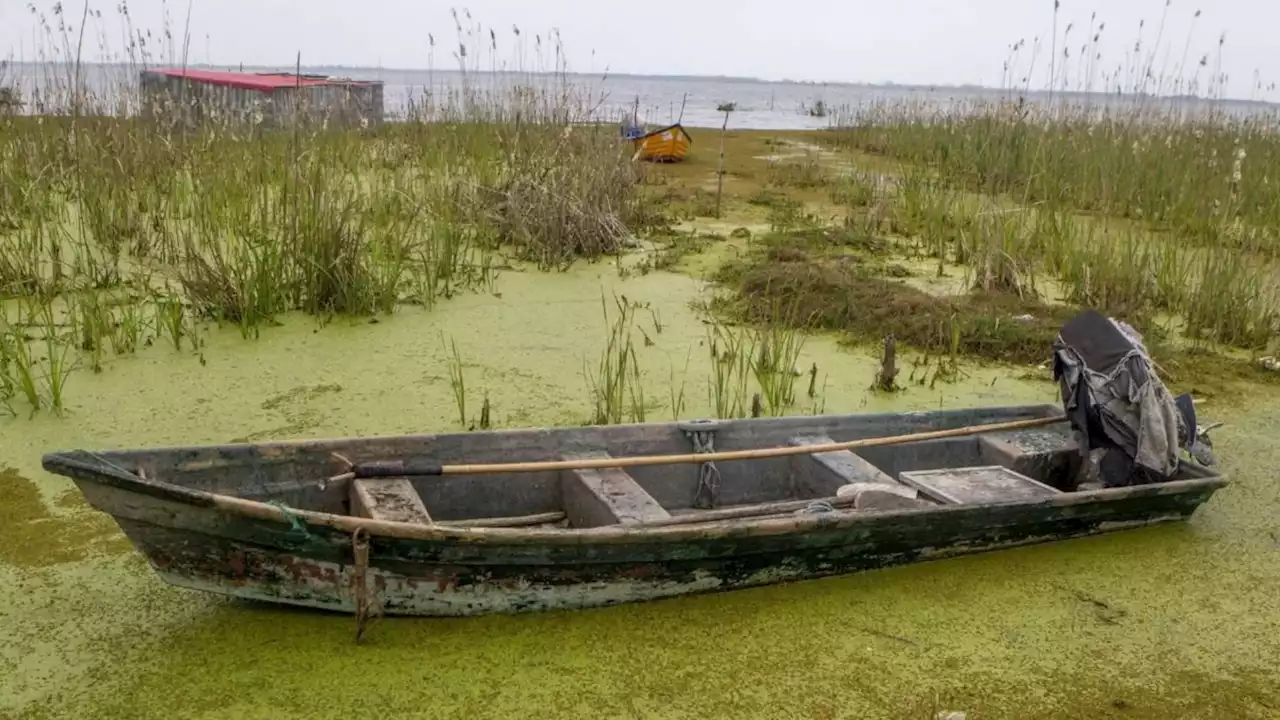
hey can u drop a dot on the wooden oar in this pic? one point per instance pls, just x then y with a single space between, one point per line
422 467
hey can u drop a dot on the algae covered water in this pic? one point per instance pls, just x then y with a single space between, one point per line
1167 622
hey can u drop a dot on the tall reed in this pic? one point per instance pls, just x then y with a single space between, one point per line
615 384
457 382
239 221
1142 214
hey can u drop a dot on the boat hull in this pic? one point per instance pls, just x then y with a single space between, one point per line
208 550
669 144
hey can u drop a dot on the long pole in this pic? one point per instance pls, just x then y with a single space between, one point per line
720 167
415 467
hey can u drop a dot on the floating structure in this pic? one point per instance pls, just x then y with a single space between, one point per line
193 96
581 517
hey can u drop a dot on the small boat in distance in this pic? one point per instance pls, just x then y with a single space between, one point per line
594 516
667 144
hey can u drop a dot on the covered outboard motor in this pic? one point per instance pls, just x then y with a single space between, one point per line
1118 406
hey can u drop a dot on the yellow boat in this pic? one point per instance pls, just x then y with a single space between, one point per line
668 144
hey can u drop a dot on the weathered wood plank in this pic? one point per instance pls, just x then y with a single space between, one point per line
822 474
607 496
977 485
392 499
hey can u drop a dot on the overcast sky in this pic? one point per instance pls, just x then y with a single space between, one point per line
911 41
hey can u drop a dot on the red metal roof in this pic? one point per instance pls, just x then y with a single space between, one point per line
248 81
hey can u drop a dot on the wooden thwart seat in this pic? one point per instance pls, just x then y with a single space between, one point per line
980 485
1040 452
391 499
606 496
822 474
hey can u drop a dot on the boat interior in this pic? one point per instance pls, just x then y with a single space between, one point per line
1026 465
1010 466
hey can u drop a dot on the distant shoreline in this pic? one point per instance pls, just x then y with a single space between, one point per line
370 72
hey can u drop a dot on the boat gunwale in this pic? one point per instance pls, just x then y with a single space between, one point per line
128 482
104 472
1027 411
673 126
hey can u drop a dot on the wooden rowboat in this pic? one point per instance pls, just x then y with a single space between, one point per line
602 515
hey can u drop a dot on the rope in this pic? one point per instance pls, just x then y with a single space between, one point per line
817 507
708 474
297 525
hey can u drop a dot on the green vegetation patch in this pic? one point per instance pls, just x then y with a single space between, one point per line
840 280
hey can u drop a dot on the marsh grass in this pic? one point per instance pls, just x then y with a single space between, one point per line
9 378
1001 257
457 382
1233 303
839 280
774 363
754 367
787 214
171 319
238 223
454 259
1202 262
805 172
556 210
91 325
774 376
134 324
614 383
24 253
1190 174
36 358
676 392
1137 203
673 247
23 367
60 363
854 191
731 351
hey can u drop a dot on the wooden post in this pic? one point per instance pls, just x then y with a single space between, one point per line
886 379
725 108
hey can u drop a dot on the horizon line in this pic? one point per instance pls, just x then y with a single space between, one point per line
664 76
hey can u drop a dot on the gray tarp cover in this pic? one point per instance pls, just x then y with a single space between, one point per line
1109 387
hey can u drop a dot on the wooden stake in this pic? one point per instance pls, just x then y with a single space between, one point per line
887 378
720 168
